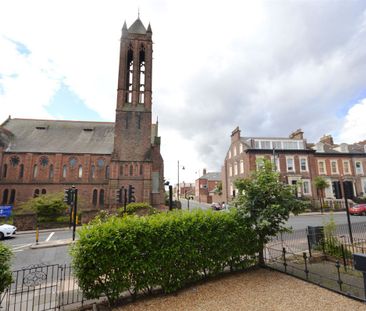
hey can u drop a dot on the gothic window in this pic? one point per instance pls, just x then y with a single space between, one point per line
36 193
44 191
101 197
95 197
131 170
50 173
142 75
14 161
80 172
129 74
141 169
12 196
107 172
5 196
35 171
93 171
72 162
21 171
43 161
64 171
5 171
100 163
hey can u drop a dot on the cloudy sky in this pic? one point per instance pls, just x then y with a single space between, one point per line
269 67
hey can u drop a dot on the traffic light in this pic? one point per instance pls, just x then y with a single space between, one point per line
131 192
119 195
67 196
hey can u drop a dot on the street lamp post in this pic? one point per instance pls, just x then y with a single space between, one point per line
347 211
178 190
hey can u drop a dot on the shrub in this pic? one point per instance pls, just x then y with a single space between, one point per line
166 250
137 208
47 207
5 271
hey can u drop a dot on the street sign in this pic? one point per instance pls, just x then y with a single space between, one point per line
5 210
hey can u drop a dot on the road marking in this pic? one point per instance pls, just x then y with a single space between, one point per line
50 236
22 246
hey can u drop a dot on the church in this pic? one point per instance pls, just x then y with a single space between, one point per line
99 158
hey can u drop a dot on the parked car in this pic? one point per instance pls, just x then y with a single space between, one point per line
7 231
358 209
216 206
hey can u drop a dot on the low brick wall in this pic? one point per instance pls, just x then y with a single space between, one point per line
25 222
88 215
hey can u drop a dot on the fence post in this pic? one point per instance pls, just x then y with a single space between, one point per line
339 281
284 258
309 245
306 265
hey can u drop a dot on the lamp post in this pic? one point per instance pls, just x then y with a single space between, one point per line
347 211
178 190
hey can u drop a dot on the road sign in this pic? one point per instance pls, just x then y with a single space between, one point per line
5 210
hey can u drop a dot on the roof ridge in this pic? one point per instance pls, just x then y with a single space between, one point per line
55 120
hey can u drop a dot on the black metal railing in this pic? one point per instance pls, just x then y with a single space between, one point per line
327 274
40 288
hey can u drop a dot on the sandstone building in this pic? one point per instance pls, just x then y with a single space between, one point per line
44 156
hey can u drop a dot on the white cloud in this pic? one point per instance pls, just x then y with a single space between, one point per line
269 67
354 129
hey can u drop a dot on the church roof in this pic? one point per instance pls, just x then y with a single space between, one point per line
137 27
51 136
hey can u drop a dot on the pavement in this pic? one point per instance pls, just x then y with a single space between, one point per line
55 243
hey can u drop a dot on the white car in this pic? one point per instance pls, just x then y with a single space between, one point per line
7 230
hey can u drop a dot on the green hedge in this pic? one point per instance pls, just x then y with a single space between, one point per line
5 269
137 207
167 250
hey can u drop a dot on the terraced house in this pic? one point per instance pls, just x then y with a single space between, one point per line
298 162
44 156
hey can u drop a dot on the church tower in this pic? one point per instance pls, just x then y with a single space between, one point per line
134 146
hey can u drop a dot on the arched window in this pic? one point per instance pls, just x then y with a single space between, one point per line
129 75
95 197
44 191
93 171
64 171
12 196
5 170
35 171
50 173
101 197
141 169
21 171
36 193
5 196
107 172
142 75
131 170
80 173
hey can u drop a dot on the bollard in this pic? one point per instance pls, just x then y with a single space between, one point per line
37 235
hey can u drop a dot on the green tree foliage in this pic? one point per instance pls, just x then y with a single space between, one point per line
265 203
47 206
164 250
321 184
5 270
218 189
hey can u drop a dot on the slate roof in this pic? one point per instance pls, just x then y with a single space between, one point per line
137 27
212 176
51 136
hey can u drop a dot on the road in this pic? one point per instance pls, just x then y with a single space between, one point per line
24 256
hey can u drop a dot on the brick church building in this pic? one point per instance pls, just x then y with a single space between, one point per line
46 156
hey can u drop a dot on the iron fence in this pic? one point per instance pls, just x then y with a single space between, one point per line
327 274
41 288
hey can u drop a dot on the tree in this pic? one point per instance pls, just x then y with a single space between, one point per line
5 271
218 188
321 184
266 203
